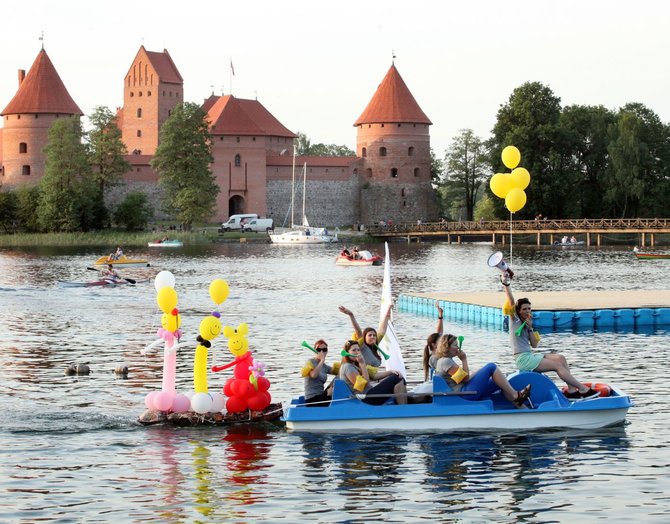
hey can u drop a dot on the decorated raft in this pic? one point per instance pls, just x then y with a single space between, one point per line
152 417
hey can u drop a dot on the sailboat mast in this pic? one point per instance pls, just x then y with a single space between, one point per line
293 190
304 190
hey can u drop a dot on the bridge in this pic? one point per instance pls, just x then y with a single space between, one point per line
590 231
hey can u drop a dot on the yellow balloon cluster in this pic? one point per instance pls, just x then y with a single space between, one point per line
510 186
166 299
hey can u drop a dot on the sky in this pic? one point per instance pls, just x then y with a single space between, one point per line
315 65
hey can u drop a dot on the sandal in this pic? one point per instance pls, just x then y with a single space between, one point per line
522 396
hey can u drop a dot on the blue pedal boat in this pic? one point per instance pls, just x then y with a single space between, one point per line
449 411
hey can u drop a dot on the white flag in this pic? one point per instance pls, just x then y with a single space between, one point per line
389 344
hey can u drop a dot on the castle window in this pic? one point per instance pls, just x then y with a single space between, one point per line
18 117
238 139
394 172
253 138
163 93
132 94
139 133
37 116
404 203
139 112
170 93
355 171
410 151
369 171
238 160
402 192
148 93
139 94
221 138
364 152
23 147
382 151
382 125
399 125
169 112
416 171
25 170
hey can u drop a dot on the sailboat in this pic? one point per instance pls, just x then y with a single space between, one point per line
304 233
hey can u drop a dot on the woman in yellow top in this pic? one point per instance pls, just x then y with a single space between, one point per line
484 382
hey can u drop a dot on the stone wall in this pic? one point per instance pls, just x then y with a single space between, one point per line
408 203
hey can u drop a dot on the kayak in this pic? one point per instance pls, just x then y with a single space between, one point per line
123 261
166 243
94 283
651 256
448 411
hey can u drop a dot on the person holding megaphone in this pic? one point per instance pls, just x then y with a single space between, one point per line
523 340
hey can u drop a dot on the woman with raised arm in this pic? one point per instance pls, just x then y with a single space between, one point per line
429 358
369 338
523 340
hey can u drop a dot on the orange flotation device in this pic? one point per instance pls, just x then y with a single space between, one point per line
603 389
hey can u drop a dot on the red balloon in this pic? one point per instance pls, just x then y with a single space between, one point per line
263 384
242 388
236 404
242 366
259 401
228 387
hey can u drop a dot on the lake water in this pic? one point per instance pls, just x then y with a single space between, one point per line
72 450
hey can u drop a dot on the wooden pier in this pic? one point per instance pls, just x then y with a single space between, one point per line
590 231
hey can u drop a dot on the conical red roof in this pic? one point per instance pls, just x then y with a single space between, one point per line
392 103
42 91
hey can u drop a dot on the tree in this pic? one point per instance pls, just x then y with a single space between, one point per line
304 147
67 190
134 212
27 198
436 169
8 211
106 148
529 121
467 168
182 161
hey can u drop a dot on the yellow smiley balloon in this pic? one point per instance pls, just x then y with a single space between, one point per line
210 327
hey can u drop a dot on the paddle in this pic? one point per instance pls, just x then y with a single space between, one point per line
129 280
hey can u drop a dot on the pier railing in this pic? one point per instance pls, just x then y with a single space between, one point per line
591 228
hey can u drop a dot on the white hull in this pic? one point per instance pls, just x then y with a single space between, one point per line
515 421
298 237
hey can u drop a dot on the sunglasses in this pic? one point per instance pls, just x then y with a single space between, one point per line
324 349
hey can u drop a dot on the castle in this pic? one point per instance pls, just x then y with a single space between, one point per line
388 179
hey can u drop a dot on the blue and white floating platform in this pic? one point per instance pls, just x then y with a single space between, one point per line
553 311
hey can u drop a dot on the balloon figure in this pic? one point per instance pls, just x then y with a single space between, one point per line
249 387
210 328
169 334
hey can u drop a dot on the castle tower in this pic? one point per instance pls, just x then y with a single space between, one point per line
39 101
151 88
393 143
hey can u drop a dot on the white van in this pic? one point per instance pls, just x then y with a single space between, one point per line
236 222
259 225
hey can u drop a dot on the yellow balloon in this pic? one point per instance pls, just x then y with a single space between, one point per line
520 178
515 199
511 157
170 322
218 290
166 299
210 327
500 184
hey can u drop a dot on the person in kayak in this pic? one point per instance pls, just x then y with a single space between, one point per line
111 274
484 382
523 340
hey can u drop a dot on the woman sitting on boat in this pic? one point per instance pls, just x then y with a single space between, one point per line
429 358
315 372
369 337
523 340
484 382
355 374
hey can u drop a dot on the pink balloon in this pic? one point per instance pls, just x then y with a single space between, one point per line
181 403
149 400
163 400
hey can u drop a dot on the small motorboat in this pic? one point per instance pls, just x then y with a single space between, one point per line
122 261
365 258
450 411
651 256
166 243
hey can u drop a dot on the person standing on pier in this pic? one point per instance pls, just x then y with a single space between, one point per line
523 340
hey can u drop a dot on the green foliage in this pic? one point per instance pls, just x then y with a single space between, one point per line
304 147
27 198
436 169
484 209
182 162
467 168
67 188
8 211
134 213
106 148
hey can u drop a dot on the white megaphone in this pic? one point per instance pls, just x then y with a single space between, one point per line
497 260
